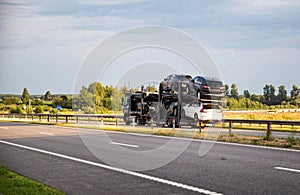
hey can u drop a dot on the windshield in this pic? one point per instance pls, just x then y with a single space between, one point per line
184 77
211 83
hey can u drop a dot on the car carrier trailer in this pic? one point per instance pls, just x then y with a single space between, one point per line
170 108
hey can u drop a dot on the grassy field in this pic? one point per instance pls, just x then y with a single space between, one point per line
263 115
14 184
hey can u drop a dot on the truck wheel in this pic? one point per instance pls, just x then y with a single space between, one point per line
188 90
182 114
169 124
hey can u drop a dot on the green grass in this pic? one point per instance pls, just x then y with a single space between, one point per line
12 183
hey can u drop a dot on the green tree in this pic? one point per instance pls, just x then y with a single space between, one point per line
294 92
85 101
255 97
91 99
247 94
25 96
64 98
116 99
226 90
10 100
151 88
107 102
234 91
269 94
47 96
282 94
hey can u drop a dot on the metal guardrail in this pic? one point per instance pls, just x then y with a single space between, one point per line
267 122
101 117
275 122
66 117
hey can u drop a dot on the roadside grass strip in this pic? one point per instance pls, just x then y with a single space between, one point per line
13 183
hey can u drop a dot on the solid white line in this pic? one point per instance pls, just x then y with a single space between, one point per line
144 176
4 128
121 144
46 133
287 169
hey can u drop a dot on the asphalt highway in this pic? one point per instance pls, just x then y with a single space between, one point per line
101 162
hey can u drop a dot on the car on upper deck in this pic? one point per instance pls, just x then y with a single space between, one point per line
208 88
175 82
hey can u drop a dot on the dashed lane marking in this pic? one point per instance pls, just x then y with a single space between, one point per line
122 144
287 169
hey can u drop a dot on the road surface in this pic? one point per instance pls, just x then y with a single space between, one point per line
58 157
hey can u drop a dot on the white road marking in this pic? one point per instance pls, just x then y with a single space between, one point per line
46 133
4 128
121 144
217 142
124 171
178 138
287 169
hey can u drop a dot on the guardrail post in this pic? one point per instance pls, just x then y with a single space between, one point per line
48 118
101 120
40 118
230 126
76 119
89 119
31 116
151 124
173 122
200 128
25 116
269 131
66 119
56 118
133 120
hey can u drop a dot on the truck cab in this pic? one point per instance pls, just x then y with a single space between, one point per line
138 106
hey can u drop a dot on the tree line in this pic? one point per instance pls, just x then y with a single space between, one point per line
97 98
269 99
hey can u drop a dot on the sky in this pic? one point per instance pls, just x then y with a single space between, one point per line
43 43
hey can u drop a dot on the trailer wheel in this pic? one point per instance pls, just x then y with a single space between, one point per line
199 94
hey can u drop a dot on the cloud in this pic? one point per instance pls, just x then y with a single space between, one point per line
237 31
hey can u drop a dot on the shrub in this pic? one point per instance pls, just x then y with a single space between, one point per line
38 110
16 110
293 140
53 111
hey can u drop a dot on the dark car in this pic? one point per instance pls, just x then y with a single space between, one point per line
173 83
206 88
